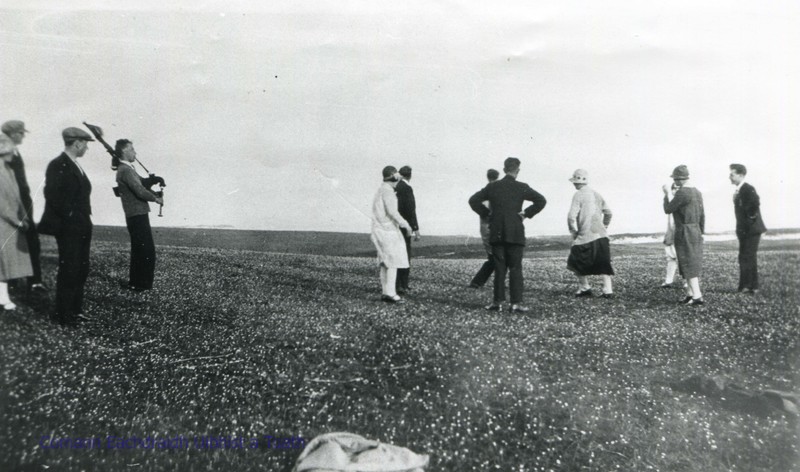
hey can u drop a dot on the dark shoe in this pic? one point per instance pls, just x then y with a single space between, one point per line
518 309
685 300
696 302
493 307
608 296
584 293
474 285
666 285
39 287
396 299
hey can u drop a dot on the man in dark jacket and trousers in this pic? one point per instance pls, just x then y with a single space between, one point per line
67 216
15 130
507 233
749 228
407 207
135 198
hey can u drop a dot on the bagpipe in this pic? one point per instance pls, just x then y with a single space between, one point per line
148 182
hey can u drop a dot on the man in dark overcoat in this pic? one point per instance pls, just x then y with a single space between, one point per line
407 207
507 233
67 216
749 228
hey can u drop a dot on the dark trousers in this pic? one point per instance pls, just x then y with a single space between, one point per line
508 258
486 271
35 249
74 245
748 261
402 274
143 252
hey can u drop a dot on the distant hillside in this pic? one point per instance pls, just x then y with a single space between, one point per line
359 244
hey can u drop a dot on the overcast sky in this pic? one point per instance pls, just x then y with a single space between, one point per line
281 114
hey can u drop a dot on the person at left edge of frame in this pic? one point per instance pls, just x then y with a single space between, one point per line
15 129
15 262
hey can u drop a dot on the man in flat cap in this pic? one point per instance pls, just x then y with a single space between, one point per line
407 206
506 231
15 130
67 216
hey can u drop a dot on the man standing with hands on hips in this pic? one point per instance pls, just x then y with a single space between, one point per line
749 228
67 216
135 198
507 233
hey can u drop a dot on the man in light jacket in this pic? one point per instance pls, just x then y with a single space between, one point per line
135 198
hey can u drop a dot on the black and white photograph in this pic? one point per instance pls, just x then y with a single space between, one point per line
442 235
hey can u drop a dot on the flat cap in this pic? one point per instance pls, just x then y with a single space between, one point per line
73 133
13 126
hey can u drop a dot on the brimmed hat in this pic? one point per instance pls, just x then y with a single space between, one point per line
6 145
580 176
680 172
388 171
73 133
13 126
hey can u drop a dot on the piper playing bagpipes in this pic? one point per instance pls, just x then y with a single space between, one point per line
147 182
135 194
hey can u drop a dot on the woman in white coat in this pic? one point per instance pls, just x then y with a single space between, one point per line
386 235
15 261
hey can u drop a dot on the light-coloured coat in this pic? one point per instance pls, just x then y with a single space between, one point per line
386 234
133 194
588 216
15 260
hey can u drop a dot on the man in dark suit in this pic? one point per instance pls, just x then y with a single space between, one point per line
67 216
407 207
507 233
749 227
15 130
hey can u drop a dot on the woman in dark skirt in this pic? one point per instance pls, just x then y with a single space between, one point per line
588 218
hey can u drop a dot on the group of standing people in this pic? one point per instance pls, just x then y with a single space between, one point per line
500 208
67 217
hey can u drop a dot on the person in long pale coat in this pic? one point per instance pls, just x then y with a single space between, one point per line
15 260
386 235
687 208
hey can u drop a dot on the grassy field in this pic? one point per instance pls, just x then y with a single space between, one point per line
246 344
